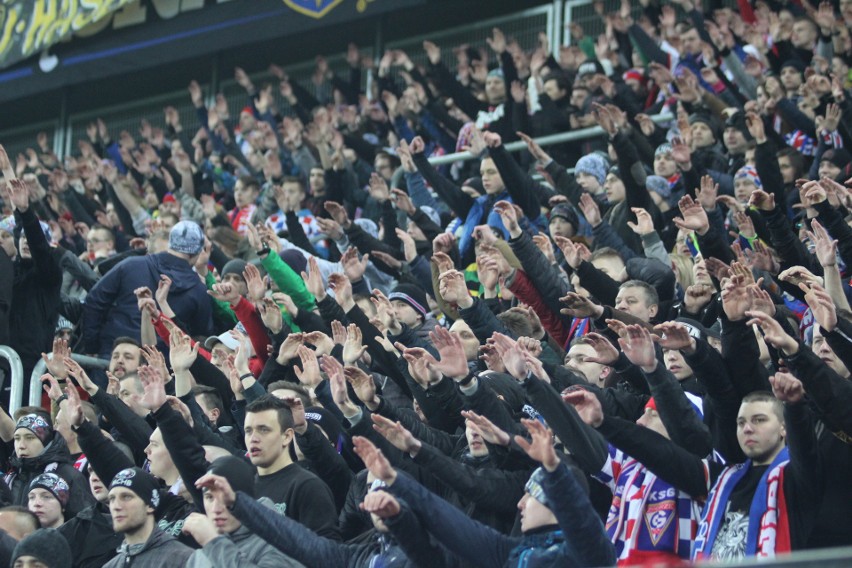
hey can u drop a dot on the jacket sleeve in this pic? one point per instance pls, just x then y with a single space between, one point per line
684 426
185 450
248 316
521 186
133 428
329 465
840 341
664 458
577 518
47 267
415 542
106 459
601 286
289 536
742 357
494 489
96 308
457 200
482 321
288 281
479 544
544 276
587 447
222 551
520 285
831 393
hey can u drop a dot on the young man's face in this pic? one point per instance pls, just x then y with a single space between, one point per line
317 182
824 351
27 444
158 456
788 172
760 432
576 360
588 182
7 243
264 439
124 360
219 515
475 443
469 341
405 313
492 182
534 514
676 364
46 507
294 193
559 226
244 195
237 281
702 136
664 165
130 392
97 487
128 511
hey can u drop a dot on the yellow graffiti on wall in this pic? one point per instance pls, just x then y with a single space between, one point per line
29 26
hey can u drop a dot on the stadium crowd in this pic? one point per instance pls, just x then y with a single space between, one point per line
326 351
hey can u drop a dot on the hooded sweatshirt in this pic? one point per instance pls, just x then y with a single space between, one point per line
111 310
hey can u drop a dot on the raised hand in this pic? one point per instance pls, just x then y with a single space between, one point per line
182 353
580 306
821 305
674 336
309 374
289 348
254 283
491 433
155 389
51 387
354 268
787 388
76 372
270 314
219 487
509 216
363 385
541 449
644 223
56 363
374 460
638 346
381 503
313 279
512 355
453 362
773 333
586 404
322 343
453 289
694 217
395 433
342 288
605 351
225 292
353 349
825 246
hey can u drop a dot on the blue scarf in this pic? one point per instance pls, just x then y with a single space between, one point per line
474 218
714 509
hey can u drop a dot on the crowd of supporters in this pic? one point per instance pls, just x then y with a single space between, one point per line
324 350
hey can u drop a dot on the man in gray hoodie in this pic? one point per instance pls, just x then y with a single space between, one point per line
223 538
134 496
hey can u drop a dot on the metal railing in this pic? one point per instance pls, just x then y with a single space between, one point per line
41 368
571 136
16 379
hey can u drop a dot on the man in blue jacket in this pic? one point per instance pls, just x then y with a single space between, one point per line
559 526
111 309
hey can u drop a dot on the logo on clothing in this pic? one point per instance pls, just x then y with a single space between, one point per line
658 517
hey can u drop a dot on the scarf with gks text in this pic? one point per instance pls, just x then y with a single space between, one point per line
768 526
